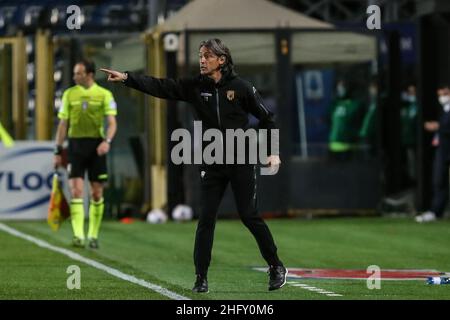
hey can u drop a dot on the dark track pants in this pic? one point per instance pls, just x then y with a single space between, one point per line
243 183
440 179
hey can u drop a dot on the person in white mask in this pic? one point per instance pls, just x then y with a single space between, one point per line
442 159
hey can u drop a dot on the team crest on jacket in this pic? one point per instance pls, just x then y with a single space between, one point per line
230 95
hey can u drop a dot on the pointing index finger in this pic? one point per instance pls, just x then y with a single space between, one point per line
106 70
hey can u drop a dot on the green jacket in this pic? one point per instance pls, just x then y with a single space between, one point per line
343 129
408 116
368 129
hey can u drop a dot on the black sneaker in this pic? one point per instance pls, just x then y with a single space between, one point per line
77 242
201 284
277 277
93 243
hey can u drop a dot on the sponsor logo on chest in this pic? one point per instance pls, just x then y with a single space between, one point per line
205 96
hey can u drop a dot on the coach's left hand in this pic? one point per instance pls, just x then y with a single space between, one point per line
274 162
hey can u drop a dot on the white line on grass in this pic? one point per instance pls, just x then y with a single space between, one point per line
93 263
314 289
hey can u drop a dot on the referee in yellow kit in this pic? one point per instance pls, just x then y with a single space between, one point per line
83 111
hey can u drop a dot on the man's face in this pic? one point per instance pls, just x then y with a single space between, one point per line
209 62
443 92
341 89
79 74
444 96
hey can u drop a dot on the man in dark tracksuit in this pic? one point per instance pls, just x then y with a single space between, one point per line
442 159
223 101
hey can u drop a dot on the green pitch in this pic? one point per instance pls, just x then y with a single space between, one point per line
162 255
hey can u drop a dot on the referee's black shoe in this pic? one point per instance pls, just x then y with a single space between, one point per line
277 277
201 284
93 243
78 242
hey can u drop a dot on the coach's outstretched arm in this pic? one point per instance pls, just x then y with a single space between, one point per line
162 88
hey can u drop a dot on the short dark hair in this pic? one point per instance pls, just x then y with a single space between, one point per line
444 86
89 65
220 50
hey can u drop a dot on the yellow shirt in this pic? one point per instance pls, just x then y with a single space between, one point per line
86 109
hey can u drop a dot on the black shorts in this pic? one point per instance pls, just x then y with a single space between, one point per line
83 156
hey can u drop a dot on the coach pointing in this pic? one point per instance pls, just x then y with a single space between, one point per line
221 100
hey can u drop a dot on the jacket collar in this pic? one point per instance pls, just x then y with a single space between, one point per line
226 77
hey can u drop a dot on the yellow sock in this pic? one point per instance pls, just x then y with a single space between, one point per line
96 210
77 217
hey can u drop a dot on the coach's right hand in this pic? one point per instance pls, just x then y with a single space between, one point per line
57 161
114 76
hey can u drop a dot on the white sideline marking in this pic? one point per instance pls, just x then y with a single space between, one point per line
314 289
93 263
308 287
294 284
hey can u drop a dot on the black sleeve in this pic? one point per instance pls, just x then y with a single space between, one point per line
173 89
256 107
